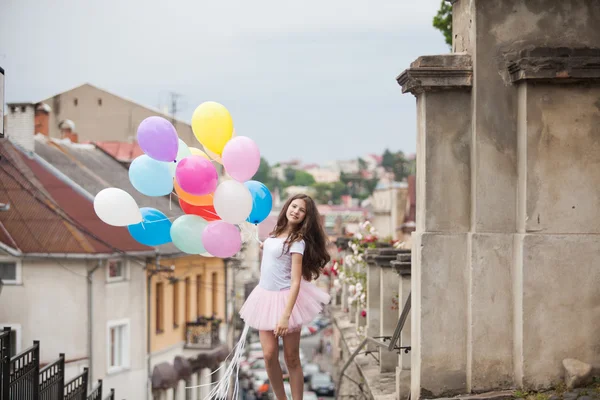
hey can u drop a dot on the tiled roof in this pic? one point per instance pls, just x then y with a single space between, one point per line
42 209
93 170
121 151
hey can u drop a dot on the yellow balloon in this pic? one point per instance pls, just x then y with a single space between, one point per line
212 125
197 152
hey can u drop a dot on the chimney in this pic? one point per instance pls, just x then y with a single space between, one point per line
20 125
67 130
42 119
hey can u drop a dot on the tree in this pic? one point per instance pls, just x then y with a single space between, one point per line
388 160
303 178
290 174
443 21
362 164
265 175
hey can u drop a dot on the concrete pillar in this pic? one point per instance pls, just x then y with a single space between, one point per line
402 267
507 173
373 300
388 290
439 268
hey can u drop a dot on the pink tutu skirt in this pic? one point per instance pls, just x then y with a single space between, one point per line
263 308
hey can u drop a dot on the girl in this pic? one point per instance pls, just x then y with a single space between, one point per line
284 300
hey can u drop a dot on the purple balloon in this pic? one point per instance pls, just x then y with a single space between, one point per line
158 139
222 239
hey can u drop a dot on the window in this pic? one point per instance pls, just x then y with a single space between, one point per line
199 296
75 101
215 295
10 271
115 271
176 304
118 345
99 101
160 296
187 299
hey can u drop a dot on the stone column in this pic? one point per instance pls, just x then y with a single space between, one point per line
439 287
373 298
555 277
402 267
507 160
388 290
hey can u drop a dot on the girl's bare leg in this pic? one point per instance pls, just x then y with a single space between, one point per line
291 351
270 346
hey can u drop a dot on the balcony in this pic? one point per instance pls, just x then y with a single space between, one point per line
21 377
202 334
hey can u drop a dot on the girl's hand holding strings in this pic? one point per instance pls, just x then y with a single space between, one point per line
282 327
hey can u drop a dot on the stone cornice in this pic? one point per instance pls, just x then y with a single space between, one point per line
554 65
440 72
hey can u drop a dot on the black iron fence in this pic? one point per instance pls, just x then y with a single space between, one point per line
22 379
203 333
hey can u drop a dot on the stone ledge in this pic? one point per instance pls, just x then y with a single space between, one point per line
380 386
554 65
499 395
440 72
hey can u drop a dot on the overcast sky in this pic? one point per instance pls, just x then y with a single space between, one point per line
313 79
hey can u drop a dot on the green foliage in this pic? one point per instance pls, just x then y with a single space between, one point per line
397 164
443 21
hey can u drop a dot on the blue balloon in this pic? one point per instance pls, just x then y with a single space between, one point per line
154 230
262 202
151 177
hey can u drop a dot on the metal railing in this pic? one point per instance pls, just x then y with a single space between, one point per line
392 346
21 377
52 380
76 388
4 363
97 392
24 374
203 333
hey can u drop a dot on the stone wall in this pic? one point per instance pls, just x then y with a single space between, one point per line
505 278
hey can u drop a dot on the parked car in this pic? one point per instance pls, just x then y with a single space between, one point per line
258 364
310 370
305 331
322 384
259 378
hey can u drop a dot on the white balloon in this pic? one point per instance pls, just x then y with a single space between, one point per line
207 254
116 207
232 202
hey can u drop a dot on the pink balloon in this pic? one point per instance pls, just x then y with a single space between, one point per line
241 158
196 175
222 239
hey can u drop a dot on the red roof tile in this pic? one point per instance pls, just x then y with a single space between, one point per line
42 208
121 151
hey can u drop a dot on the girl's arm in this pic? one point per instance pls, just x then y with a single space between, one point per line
282 326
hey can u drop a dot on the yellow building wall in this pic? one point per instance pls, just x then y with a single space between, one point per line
204 278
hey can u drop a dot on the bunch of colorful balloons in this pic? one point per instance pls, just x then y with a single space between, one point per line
215 209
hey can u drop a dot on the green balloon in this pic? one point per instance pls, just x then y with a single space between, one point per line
182 152
186 233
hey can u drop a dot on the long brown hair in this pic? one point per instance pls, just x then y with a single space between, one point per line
311 231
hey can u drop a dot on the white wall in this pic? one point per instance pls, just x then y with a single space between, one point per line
51 305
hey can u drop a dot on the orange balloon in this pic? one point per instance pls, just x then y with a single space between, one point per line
202 200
